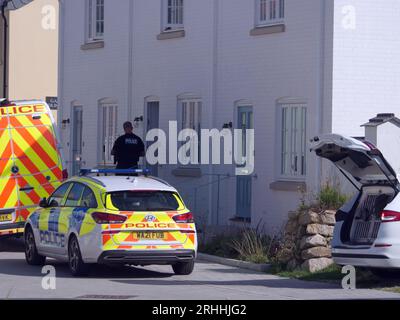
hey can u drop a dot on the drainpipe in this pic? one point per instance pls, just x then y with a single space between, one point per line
5 45
130 62
211 118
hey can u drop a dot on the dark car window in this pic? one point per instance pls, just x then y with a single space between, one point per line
88 199
58 195
74 196
144 200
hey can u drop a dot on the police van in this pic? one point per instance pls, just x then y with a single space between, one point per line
31 166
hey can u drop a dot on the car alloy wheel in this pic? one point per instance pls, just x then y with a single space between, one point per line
31 254
76 264
29 246
74 255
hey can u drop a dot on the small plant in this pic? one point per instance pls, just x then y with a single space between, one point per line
330 197
249 244
220 245
251 247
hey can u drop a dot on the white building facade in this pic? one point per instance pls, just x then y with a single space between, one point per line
289 69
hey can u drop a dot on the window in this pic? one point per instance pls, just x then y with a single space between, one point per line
173 14
74 196
88 199
191 119
95 20
108 131
59 195
293 142
270 11
144 200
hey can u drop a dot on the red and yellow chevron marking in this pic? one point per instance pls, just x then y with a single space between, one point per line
36 145
8 192
29 141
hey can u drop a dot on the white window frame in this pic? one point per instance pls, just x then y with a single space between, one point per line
189 115
292 141
95 15
173 15
108 131
269 12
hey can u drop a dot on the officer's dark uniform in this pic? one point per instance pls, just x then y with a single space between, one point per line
127 150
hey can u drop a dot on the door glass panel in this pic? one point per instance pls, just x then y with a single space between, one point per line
77 139
153 110
88 199
59 194
244 183
74 196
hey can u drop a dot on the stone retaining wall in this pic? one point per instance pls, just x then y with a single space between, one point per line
307 240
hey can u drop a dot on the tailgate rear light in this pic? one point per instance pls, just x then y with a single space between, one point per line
390 216
107 218
370 145
184 218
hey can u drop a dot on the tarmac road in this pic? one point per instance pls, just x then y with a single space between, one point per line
209 281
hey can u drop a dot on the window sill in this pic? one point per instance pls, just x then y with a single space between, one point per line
171 34
288 186
187 172
93 45
270 29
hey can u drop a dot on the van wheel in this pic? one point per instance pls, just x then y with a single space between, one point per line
32 256
385 273
75 261
183 268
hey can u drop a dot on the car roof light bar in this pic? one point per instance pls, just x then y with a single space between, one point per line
85 172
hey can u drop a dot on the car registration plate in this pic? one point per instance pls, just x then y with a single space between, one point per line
5 217
150 235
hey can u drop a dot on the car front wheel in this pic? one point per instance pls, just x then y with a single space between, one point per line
31 254
75 261
183 268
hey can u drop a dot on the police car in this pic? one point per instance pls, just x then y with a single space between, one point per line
133 219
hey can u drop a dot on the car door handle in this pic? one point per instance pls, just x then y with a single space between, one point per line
26 189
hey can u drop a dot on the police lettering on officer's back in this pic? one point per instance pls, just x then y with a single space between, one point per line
128 149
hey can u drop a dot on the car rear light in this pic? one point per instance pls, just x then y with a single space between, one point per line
390 216
184 218
107 218
65 174
383 245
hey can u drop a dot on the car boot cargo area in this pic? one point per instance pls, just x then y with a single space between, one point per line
365 219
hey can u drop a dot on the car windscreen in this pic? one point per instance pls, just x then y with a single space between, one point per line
143 201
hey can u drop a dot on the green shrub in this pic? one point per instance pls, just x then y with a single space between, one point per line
331 198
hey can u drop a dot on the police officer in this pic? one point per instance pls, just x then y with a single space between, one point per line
128 149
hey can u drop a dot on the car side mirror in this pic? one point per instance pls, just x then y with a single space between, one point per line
43 203
53 204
